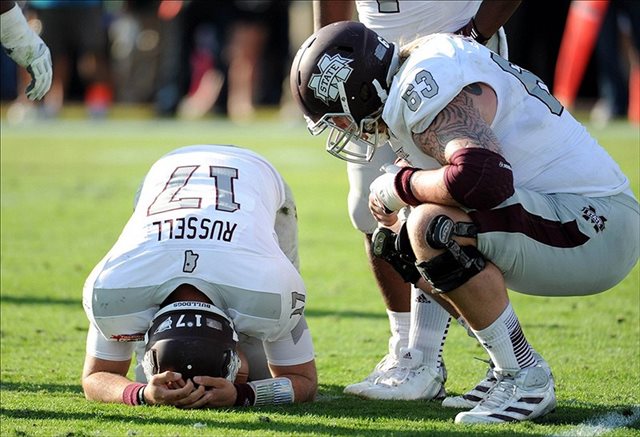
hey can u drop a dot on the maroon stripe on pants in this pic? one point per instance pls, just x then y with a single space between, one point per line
514 218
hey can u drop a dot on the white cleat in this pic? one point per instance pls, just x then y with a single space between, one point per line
471 398
408 381
525 396
387 363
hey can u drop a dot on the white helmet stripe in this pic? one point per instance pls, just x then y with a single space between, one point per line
344 101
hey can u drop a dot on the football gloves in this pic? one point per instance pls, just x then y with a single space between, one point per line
28 50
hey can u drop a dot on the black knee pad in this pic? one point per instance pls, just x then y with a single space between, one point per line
458 264
449 271
396 250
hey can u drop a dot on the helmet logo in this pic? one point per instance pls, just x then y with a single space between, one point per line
164 326
333 70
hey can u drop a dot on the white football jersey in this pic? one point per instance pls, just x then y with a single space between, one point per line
549 151
204 216
402 21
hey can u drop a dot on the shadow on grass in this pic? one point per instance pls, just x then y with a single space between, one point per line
38 300
331 405
40 388
345 314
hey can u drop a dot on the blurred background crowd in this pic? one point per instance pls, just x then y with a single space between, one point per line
196 58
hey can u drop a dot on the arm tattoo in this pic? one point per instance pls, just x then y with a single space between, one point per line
460 120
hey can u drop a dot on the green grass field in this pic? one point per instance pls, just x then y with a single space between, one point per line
67 190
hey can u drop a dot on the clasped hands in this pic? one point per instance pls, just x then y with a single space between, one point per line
168 388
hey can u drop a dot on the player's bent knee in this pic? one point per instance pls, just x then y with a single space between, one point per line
458 263
396 250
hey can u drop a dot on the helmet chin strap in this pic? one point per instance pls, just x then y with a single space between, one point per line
394 65
382 93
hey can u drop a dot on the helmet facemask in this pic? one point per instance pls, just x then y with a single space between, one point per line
349 141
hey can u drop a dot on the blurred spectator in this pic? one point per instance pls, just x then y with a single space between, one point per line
146 53
238 54
616 54
75 32
9 82
613 28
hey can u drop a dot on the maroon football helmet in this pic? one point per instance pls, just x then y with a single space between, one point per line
340 78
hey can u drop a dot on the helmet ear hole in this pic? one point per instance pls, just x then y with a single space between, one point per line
365 92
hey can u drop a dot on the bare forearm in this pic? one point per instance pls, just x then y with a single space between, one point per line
105 387
428 187
493 14
304 389
303 377
330 11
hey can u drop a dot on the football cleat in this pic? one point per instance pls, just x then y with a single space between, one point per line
408 381
387 363
525 396
471 398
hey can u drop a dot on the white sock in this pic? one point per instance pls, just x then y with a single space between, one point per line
399 324
429 327
506 344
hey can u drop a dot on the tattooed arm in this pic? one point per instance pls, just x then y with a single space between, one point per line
463 123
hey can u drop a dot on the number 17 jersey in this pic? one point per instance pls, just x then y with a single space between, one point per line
204 216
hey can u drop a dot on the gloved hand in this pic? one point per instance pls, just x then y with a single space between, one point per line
28 50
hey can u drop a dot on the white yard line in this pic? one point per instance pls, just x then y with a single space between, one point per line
602 424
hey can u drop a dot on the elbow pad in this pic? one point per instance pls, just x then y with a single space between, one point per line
478 178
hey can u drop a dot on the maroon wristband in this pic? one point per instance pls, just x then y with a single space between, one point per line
246 395
402 184
130 393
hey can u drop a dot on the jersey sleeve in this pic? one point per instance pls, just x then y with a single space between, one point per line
429 79
99 347
296 348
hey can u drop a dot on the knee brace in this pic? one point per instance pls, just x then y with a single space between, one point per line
458 264
396 250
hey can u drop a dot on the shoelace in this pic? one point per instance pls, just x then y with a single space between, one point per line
386 364
499 394
394 376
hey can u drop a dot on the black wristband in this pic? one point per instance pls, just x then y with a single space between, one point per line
475 34
246 396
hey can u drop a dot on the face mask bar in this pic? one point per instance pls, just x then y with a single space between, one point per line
349 143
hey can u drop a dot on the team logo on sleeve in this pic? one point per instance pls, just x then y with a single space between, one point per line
333 70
